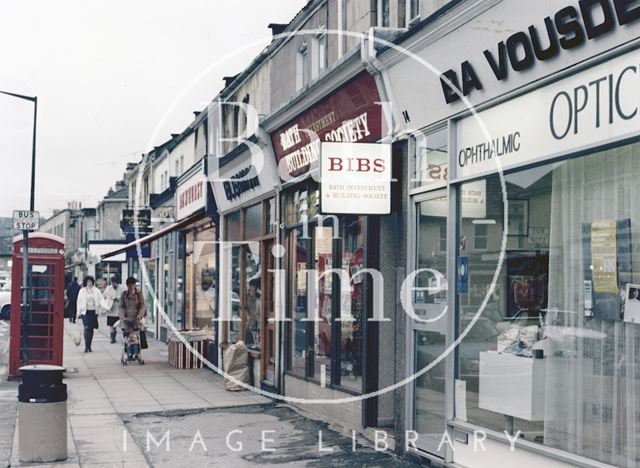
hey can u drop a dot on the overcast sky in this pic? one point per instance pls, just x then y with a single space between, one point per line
105 73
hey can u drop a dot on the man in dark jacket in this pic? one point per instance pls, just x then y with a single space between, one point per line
72 299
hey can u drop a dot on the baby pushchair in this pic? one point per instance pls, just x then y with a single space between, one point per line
131 343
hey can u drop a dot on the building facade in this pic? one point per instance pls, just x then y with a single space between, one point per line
494 296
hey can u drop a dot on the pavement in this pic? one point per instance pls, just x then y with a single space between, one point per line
155 415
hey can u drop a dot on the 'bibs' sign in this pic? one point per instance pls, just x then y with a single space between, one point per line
351 114
600 104
191 196
355 178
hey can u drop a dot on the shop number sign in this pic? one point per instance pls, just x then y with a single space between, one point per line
355 178
26 220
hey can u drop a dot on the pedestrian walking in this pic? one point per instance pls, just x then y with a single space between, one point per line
112 295
132 312
90 301
72 299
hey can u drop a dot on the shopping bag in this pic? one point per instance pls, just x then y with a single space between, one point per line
143 339
77 335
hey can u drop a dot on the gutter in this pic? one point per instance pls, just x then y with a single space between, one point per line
369 50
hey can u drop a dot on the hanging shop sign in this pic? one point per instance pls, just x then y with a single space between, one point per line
351 114
133 220
248 176
601 104
355 178
191 195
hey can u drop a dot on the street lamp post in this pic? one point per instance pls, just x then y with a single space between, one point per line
26 286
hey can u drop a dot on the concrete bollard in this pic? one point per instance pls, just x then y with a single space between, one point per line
42 414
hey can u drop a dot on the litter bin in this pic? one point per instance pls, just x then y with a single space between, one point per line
42 414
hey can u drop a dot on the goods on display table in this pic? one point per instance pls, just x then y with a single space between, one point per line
181 356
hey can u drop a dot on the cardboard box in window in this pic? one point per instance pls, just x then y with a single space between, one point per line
512 385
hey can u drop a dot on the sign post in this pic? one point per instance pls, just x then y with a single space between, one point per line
25 221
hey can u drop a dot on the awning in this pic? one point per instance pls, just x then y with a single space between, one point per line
156 235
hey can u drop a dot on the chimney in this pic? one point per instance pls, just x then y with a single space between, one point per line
277 28
229 79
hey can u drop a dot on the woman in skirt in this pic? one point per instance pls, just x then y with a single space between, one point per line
90 301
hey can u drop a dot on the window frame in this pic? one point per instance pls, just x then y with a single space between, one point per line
333 380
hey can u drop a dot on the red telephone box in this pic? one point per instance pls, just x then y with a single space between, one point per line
46 270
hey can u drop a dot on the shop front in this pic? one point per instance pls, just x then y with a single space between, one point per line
528 210
244 183
196 273
332 243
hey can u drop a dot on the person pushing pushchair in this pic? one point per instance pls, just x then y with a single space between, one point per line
132 311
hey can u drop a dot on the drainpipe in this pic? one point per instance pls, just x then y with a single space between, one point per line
369 49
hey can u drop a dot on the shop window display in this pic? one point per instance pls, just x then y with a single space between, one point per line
554 354
352 302
297 248
248 234
324 349
323 261
199 276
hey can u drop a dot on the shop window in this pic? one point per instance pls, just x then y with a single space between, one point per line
270 216
253 221
431 161
297 248
325 349
352 302
554 354
200 281
323 262
236 321
296 206
249 298
252 297
233 226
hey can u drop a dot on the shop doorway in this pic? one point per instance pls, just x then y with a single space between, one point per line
429 333
269 324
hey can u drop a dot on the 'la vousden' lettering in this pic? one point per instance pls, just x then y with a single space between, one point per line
567 29
235 188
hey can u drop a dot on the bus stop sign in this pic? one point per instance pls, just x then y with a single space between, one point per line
24 220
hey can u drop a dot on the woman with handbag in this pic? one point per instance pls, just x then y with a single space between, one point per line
90 300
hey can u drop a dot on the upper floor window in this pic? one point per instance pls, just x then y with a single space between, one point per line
383 13
319 54
303 68
413 10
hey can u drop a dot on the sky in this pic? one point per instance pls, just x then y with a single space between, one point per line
107 73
